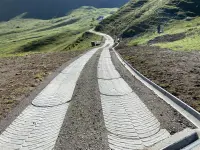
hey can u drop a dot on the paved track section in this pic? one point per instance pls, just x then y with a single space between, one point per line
129 123
38 126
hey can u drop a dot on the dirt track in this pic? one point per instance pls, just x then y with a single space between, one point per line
177 72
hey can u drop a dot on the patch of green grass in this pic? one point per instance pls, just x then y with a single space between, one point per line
39 76
9 101
142 40
179 26
83 41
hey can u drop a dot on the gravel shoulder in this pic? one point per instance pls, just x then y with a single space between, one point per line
83 127
169 118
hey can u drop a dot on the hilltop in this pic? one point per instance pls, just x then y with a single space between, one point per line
47 9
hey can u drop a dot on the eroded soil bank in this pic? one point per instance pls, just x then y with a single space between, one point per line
169 118
177 72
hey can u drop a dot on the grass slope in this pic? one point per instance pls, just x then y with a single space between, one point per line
46 9
139 19
19 35
188 42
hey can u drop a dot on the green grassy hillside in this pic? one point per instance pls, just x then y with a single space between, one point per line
46 9
21 35
143 15
139 20
187 33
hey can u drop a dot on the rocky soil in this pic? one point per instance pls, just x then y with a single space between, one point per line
19 76
177 72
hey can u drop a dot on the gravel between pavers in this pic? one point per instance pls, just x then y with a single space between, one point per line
83 127
169 118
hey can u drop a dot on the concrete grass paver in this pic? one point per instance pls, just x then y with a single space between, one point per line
129 122
61 89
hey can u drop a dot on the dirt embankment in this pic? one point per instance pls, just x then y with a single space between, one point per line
177 72
169 118
168 38
21 75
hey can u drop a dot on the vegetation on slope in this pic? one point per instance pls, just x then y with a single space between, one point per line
83 42
47 9
143 15
139 20
33 35
178 35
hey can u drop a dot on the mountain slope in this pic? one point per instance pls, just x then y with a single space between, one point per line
46 9
139 16
35 35
171 58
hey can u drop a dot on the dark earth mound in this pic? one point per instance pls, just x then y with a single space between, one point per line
167 38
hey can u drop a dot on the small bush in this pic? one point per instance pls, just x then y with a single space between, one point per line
136 43
99 27
129 33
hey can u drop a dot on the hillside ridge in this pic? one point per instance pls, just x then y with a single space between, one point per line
139 16
47 9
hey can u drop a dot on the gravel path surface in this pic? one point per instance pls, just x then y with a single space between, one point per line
169 118
83 127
